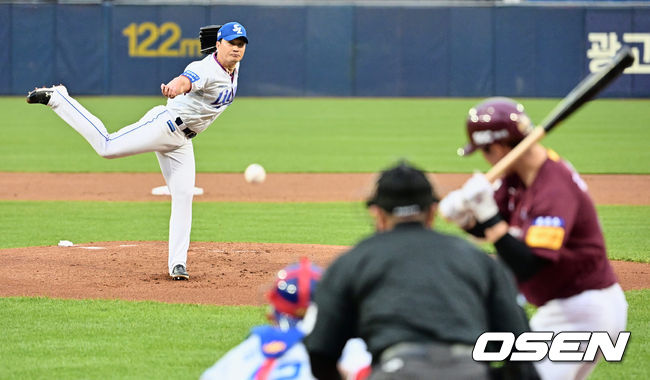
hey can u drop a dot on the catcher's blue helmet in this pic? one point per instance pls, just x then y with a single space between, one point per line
293 291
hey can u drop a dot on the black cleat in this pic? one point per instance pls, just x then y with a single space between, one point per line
179 273
40 95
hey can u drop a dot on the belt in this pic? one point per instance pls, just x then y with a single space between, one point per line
425 350
188 132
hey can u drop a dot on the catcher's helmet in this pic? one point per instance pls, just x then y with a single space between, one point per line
293 291
495 120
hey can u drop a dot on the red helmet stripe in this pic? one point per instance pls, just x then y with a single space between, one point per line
302 276
304 279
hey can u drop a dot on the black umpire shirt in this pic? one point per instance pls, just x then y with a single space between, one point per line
412 284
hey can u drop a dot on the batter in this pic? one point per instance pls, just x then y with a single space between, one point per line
195 99
544 226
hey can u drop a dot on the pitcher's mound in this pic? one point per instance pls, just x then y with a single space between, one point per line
220 273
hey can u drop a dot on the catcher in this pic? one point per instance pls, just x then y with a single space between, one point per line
276 351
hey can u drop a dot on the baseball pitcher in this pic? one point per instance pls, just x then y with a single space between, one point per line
195 99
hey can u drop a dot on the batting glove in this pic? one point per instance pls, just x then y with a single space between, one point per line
479 197
454 208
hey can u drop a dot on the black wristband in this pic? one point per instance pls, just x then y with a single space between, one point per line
492 221
479 228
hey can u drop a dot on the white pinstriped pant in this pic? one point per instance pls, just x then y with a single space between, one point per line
154 132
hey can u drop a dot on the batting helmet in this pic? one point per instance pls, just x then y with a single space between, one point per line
293 291
495 120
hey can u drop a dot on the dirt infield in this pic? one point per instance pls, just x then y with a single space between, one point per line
221 273
278 187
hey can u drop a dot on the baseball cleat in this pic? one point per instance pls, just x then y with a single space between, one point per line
42 95
179 273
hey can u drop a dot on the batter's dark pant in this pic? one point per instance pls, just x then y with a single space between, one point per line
419 361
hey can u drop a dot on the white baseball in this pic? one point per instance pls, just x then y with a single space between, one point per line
255 173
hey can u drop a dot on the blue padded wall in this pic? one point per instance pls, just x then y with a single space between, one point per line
519 51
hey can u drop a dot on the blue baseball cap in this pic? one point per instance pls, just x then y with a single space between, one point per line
232 30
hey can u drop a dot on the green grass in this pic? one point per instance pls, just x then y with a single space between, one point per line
98 339
324 135
340 223
317 223
627 231
46 338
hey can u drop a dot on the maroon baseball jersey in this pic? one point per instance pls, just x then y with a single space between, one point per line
557 219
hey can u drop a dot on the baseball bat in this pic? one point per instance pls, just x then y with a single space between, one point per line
581 94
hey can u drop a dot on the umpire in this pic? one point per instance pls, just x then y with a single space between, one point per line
417 297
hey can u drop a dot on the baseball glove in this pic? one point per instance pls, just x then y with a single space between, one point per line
208 38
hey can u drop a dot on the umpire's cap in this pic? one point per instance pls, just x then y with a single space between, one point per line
403 190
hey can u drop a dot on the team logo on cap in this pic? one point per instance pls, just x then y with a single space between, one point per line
488 136
237 29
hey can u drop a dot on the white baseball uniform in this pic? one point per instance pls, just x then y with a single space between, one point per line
270 353
164 130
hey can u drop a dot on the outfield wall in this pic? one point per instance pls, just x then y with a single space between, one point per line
519 51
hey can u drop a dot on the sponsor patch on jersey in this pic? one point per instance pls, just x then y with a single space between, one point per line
191 75
546 232
274 347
